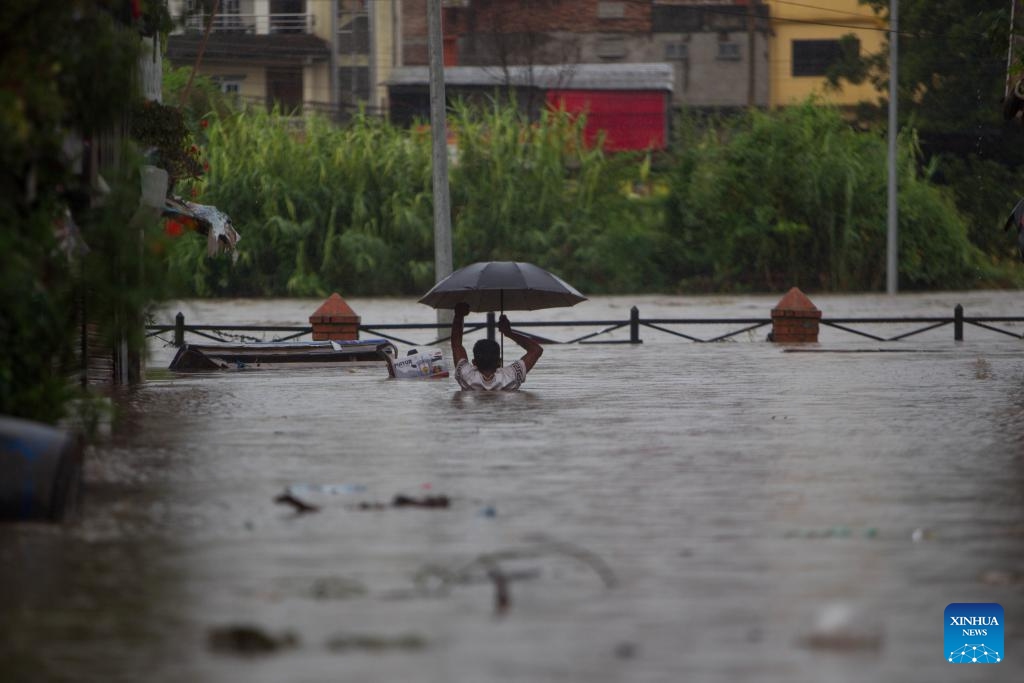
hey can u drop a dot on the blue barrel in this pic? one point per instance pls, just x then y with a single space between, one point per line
40 471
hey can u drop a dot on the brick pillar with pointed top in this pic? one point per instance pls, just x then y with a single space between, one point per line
335 319
795 319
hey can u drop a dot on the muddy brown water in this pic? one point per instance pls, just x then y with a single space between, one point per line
663 512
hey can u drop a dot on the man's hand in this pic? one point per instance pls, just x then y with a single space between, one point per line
458 351
533 349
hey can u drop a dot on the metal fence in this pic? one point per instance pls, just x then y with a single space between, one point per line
958 321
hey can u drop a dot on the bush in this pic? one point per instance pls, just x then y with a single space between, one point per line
797 197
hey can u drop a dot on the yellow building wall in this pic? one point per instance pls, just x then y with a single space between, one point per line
252 80
321 11
384 20
819 20
316 86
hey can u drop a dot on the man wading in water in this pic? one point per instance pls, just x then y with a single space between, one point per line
484 374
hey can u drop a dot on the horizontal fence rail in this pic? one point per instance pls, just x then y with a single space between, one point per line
237 333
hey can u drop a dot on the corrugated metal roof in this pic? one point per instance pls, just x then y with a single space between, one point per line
644 76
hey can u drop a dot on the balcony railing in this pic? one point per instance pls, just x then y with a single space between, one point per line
258 24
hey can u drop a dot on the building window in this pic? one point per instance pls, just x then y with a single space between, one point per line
677 52
611 48
229 85
729 51
815 57
611 10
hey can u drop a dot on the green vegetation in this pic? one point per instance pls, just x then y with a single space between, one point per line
797 197
953 62
72 246
351 209
763 201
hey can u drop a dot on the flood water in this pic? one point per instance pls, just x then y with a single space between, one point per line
667 511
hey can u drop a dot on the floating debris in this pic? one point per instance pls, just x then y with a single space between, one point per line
843 627
300 506
921 534
403 501
248 640
437 580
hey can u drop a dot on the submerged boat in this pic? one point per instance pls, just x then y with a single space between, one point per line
264 355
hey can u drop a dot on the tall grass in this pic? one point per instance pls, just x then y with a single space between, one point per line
763 202
324 208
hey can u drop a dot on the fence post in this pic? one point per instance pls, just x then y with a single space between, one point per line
490 325
634 326
958 323
179 329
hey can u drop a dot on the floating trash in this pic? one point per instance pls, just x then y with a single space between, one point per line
300 506
921 534
843 626
494 567
403 501
244 639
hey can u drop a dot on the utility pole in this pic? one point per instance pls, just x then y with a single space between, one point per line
439 155
335 84
892 251
751 45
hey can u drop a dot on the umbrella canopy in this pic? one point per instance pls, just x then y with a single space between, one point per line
502 286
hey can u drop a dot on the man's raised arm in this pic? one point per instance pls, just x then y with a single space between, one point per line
458 351
533 349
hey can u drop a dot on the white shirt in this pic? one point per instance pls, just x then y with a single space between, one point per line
507 378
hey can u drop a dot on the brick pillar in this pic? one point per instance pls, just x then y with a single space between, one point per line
795 319
334 320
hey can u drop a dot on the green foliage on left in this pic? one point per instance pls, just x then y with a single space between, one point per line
50 94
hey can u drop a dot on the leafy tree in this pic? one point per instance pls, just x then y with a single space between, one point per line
952 80
952 59
51 97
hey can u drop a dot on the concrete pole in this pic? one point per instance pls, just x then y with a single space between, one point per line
439 156
751 64
892 265
335 82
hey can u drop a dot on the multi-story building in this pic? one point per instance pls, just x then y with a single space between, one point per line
327 55
337 55
807 39
718 50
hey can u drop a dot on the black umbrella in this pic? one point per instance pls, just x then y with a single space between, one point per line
502 286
